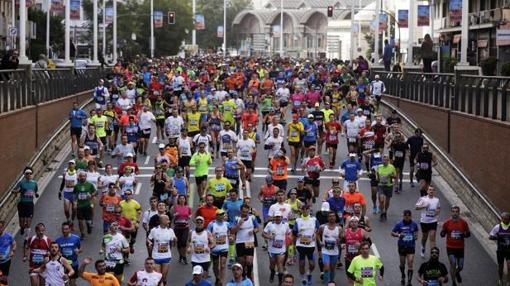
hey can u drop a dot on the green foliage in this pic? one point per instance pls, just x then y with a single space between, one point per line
213 16
38 46
505 69
489 66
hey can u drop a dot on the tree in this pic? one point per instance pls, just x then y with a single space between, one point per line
213 15
37 46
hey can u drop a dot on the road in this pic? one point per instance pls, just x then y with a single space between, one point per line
479 267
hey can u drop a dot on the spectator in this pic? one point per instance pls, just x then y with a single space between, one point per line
427 53
387 55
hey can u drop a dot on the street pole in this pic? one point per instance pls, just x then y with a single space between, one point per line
352 34
104 30
152 30
114 31
67 37
464 33
194 32
377 20
13 23
48 12
359 23
94 27
22 32
410 40
281 28
224 28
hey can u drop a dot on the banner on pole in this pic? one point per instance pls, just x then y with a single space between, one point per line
28 3
158 19
423 15
383 22
503 32
57 6
403 18
455 11
75 9
108 15
199 22
219 32
276 31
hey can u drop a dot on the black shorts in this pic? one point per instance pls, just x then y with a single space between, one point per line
313 182
309 143
242 250
205 265
84 213
223 153
182 234
234 182
405 250
332 145
281 184
184 161
295 144
284 103
117 270
108 132
305 252
424 175
216 255
386 190
373 180
218 202
412 156
146 133
103 140
160 123
26 210
4 267
455 252
200 179
248 164
399 164
426 227
503 255
76 131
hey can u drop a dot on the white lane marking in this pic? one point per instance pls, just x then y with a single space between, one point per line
147 161
138 188
192 190
255 263
154 139
374 250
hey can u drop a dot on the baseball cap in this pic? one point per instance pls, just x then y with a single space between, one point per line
129 155
238 265
352 154
278 213
301 179
161 146
86 147
220 212
293 191
310 116
111 185
359 109
317 104
28 171
325 207
354 218
197 269
199 218
269 179
72 162
376 76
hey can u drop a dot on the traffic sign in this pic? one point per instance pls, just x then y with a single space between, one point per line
13 31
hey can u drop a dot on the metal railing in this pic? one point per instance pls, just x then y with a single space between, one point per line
486 96
21 88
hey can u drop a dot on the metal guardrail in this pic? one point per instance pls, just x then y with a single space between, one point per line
448 160
485 96
21 88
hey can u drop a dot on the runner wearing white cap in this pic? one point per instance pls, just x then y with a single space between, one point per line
277 232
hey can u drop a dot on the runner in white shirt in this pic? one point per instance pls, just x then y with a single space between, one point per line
330 236
304 232
430 209
277 232
283 95
160 241
145 120
114 246
184 145
246 149
228 139
351 129
200 244
173 125
124 102
280 206
219 229
275 124
107 178
360 118
245 229
204 137
148 276
55 267
273 144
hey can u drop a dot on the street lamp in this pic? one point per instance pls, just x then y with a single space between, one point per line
281 28
115 31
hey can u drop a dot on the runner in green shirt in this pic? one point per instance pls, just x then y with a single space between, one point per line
229 108
100 121
363 268
385 174
85 194
201 160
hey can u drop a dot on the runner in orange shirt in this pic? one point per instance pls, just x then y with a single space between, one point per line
278 169
351 198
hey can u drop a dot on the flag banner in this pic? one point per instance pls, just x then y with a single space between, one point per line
276 31
199 22
383 22
108 15
219 32
423 15
403 18
158 19
455 11
57 5
75 9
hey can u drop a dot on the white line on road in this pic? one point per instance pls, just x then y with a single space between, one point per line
154 139
138 188
374 250
255 262
147 161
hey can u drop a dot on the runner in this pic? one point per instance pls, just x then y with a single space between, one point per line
234 169
304 234
69 180
385 175
174 124
160 240
85 194
219 229
274 144
414 144
239 279
407 233
277 232
101 278
184 145
131 210
245 229
330 236
424 161
7 249
278 169
201 160
313 165
76 120
398 148
363 268
198 279
456 230
200 244
501 234
114 245
351 129
218 187
352 197
430 208
267 196
295 131
181 214
55 269
433 272
28 190
246 149
148 276
333 129
70 247
36 248
228 139
350 170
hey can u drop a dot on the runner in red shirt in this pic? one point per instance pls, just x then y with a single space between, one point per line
455 229
250 117
367 140
36 249
313 165
207 210
333 128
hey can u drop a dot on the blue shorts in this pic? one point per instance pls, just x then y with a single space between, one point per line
274 255
329 259
265 213
162 260
69 196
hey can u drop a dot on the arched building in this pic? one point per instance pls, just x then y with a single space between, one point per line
307 30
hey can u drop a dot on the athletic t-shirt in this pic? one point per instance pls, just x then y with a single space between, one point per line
408 230
100 280
6 240
295 130
113 244
455 231
384 173
162 239
219 187
244 149
83 193
365 268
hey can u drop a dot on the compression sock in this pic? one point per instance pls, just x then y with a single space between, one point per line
409 275
403 271
280 278
321 264
326 278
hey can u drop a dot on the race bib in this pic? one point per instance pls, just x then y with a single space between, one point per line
83 196
329 244
367 272
456 234
351 140
110 208
193 122
352 248
294 133
163 247
297 103
306 239
408 237
383 179
399 154
29 193
232 181
278 243
221 239
67 252
38 256
199 248
280 171
249 244
424 166
228 108
69 184
431 213
432 283
110 264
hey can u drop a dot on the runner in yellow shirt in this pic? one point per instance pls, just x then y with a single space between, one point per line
363 268
295 130
219 186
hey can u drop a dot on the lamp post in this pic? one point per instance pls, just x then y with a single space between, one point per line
94 28
281 28
377 21
67 37
114 31
224 28
151 44
194 31
48 11
410 40
22 32
464 41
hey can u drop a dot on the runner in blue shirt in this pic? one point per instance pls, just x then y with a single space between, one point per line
233 206
7 249
238 277
70 247
27 188
310 137
76 117
407 233
198 279
350 170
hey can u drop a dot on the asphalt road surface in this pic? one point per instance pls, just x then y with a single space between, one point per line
479 268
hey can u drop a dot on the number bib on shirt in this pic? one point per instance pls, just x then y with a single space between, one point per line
278 243
367 272
306 239
163 247
329 244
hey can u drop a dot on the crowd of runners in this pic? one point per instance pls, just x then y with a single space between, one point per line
212 113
